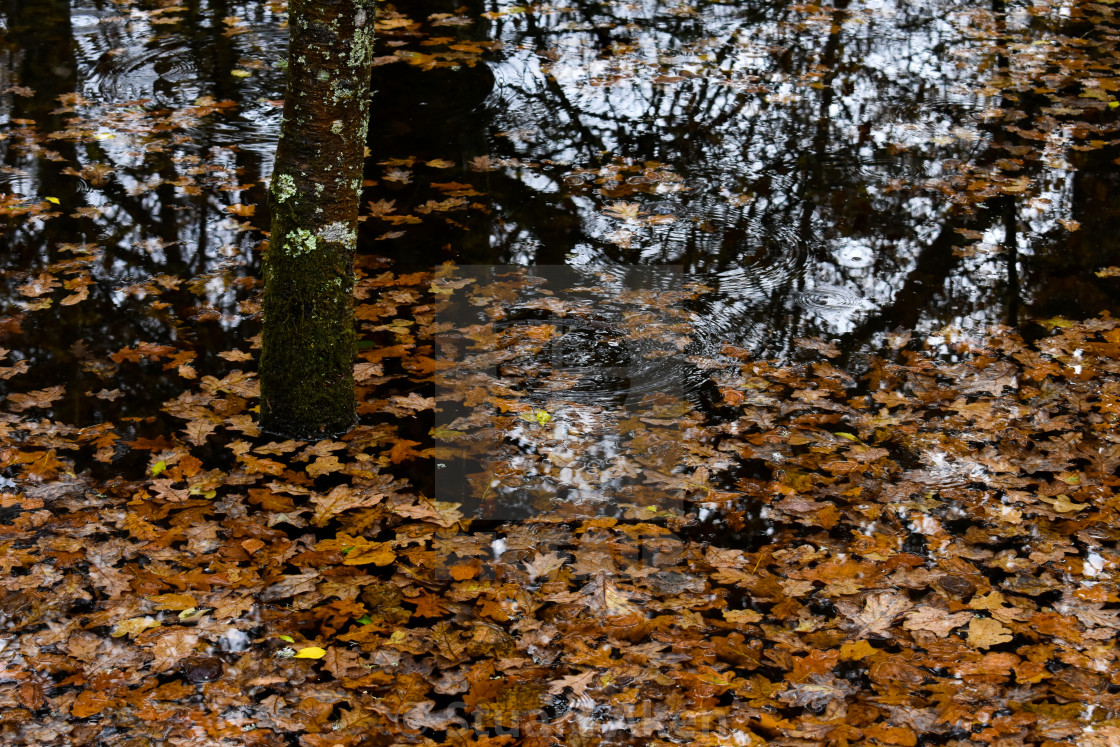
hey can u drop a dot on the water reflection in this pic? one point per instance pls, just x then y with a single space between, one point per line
831 172
810 149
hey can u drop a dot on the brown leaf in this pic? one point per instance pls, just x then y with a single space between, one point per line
38 398
936 621
878 613
342 498
90 703
984 632
174 645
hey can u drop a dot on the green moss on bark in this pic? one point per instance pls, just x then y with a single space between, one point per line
306 370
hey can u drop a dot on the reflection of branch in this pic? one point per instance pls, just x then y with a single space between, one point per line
935 264
593 143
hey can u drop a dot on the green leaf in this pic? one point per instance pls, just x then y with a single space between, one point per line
287 638
158 467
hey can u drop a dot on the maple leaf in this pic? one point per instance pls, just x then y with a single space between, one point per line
878 613
624 210
577 682
544 564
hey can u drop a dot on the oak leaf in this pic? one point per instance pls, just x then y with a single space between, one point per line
984 632
134 626
38 398
577 682
936 621
365 552
90 703
342 498
818 691
176 602
439 512
174 645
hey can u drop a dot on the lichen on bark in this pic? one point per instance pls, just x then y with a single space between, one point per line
306 369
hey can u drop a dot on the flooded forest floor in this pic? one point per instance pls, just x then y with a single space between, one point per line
730 373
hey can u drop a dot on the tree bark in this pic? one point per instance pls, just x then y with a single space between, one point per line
306 368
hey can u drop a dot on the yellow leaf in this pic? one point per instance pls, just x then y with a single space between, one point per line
311 652
540 417
1063 504
856 651
52 200
377 553
240 73
241 210
1054 322
134 626
984 632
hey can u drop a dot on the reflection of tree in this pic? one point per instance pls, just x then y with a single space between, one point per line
145 202
794 135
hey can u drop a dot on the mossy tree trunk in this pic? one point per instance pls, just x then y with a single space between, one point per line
306 368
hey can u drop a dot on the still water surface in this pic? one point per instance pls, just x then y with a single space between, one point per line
835 172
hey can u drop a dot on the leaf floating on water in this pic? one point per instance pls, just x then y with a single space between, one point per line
540 417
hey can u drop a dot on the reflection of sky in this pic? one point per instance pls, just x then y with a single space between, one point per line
822 133
796 147
167 169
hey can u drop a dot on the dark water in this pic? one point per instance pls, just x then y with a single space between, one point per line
815 170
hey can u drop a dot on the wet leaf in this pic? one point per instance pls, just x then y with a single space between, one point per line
311 652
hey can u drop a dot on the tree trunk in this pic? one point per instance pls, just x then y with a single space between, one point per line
306 368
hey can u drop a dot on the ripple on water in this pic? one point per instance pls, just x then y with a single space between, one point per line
767 256
829 298
163 69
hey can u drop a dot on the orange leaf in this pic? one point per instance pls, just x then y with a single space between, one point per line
175 602
243 211
90 703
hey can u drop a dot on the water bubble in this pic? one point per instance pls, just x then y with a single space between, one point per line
854 256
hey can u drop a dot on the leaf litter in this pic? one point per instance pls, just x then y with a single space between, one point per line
921 551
